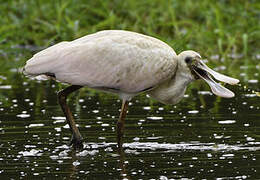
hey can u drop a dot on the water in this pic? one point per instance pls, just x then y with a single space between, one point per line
204 136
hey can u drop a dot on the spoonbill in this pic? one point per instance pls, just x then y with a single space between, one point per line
125 63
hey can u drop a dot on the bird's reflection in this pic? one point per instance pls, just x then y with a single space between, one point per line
122 164
73 168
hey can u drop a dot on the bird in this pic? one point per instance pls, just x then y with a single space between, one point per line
125 63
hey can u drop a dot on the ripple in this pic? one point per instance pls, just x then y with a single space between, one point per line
163 146
188 146
32 152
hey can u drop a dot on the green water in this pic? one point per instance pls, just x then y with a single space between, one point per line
203 136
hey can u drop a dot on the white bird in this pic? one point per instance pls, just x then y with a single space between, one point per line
125 63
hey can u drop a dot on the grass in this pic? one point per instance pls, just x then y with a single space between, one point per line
223 28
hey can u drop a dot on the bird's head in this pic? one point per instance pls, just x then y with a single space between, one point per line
195 68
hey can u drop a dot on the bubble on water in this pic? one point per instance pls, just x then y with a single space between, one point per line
76 163
32 152
54 157
23 115
160 108
86 152
81 100
154 138
59 121
6 87
246 125
105 125
66 126
102 138
155 118
205 93
146 107
163 178
242 74
227 122
30 146
250 139
58 129
253 81
58 117
193 112
95 111
250 95
35 125
63 147
64 153
228 155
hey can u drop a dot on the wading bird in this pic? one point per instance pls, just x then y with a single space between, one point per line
125 63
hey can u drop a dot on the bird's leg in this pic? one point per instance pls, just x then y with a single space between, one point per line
121 123
76 140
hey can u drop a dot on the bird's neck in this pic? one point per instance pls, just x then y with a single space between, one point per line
172 90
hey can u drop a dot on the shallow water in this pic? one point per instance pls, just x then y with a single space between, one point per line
203 136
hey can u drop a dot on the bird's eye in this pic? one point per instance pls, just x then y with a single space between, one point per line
188 60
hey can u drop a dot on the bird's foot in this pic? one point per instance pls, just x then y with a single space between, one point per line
76 143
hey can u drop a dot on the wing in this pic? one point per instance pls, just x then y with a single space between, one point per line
127 61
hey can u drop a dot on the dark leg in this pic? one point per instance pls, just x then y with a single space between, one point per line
121 123
76 140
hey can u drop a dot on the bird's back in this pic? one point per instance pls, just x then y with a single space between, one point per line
112 59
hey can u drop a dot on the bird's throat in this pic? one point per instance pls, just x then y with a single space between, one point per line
172 90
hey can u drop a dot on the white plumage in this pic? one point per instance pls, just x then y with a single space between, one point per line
126 63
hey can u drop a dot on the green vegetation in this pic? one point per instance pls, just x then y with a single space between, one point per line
227 29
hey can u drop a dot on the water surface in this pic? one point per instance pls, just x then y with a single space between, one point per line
203 136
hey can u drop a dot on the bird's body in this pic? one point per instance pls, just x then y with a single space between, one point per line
126 63
118 61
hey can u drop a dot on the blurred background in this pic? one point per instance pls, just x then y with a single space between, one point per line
204 136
